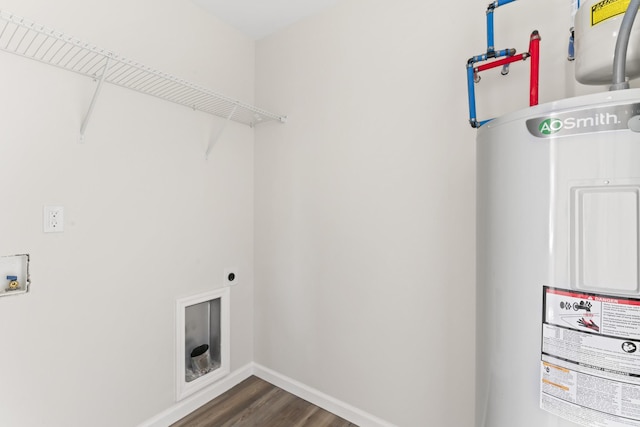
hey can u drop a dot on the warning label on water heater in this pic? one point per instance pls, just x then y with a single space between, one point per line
590 364
605 9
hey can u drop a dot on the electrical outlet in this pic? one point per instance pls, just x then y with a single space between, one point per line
231 276
53 219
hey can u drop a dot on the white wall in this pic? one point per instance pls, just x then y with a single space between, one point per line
148 219
364 205
365 199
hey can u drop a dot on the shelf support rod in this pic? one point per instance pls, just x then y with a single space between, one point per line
85 121
217 136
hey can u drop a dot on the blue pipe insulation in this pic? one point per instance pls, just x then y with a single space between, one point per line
471 90
478 58
473 121
490 39
490 55
571 51
496 4
471 81
504 52
490 26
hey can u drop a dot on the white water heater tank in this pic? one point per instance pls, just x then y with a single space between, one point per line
558 267
596 29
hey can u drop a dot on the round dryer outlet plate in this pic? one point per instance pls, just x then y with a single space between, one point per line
231 276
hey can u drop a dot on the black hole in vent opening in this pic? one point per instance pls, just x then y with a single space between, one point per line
200 350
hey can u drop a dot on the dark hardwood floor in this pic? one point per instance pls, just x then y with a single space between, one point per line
257 403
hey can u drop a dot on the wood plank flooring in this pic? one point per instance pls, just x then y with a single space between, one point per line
257 403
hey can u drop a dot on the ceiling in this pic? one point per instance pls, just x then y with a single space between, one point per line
259 18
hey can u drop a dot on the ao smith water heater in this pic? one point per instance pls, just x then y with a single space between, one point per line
558 243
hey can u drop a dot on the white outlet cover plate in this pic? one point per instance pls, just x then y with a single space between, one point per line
53 219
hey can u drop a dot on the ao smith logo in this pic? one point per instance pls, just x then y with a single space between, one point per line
581 121
552 126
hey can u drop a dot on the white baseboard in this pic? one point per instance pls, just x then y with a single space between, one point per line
193 402
341 409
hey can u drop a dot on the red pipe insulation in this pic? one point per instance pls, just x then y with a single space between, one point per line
534 51
501 62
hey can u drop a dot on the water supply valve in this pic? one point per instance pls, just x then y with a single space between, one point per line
13 283
15 270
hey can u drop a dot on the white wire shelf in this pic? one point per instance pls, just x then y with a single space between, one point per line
24 38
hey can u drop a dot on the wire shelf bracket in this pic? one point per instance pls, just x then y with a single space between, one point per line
30 40
217 136
85 121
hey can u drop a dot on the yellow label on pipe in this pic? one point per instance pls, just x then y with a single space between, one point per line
606 9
